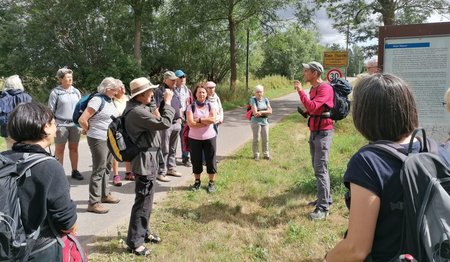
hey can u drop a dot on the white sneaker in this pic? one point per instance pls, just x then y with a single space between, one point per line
173 172
163 178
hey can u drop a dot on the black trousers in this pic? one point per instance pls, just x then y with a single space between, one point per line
138 228
207 148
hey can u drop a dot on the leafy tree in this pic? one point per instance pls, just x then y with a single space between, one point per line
361 18
229 16
285 52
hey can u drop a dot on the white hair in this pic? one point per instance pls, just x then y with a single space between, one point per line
107 83
259 88
13 82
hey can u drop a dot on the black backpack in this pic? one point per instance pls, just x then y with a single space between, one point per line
119 142
342 88
15 244
425 178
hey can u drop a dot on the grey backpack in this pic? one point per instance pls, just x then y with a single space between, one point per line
425 178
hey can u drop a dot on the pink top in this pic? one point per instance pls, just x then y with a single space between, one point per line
321 96
201 133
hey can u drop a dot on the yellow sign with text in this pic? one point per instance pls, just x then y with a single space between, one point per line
335 59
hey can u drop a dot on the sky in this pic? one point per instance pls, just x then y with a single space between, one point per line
330 36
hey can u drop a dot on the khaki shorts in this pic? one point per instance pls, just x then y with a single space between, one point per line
67 133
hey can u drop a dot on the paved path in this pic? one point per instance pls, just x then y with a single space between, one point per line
233 134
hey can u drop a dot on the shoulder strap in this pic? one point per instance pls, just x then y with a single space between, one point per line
25 163
193 107
389 148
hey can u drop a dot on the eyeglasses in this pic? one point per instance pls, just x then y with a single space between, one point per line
444 104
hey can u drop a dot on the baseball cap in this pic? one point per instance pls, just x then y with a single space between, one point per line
316 66
170 75
179 73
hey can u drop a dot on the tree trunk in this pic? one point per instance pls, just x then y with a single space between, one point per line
388 11
232 29
137 35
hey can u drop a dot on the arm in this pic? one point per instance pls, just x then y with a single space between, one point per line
84 118
52 101
196 122
211 119
268 111
365 206
220 111
323 95
60 207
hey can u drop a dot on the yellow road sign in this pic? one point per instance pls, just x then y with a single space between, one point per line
335 59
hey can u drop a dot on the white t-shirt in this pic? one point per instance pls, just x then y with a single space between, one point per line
98 123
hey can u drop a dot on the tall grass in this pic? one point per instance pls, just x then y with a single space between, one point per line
274 86
259 212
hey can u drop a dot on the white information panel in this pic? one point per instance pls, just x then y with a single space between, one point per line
424 62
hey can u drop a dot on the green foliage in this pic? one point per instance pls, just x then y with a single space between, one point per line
360 19
285 52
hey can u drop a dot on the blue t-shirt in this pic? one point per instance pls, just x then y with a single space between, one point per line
379 172
261 105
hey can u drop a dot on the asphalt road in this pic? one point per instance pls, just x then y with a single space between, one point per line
233 134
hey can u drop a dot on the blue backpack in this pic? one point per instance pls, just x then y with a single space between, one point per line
82 104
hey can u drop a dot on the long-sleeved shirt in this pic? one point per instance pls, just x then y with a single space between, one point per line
320 99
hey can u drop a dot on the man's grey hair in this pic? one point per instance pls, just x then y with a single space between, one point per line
107 83
62 72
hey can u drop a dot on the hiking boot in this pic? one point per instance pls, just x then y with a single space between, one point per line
211 187
77 175
154 239
186 162
318 214
267 157
129 176
163 178
117 181
97 208
173 172
110 199
140 251
256 158
196 185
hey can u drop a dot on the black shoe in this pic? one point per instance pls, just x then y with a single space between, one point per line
196 185
144 252
77 175
211 187
186 162
154 239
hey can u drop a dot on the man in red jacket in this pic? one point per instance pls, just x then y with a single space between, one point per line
321 127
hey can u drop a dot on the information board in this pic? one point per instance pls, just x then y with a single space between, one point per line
423 62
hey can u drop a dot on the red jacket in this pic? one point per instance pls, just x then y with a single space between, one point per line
321 98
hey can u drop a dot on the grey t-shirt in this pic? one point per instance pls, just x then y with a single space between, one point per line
98 124
62 103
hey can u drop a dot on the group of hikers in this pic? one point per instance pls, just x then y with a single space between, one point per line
156 117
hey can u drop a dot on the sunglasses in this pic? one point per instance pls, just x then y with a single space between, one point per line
182 77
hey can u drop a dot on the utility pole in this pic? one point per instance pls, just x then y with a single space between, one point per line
246 66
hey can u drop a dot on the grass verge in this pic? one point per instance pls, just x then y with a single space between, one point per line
259 212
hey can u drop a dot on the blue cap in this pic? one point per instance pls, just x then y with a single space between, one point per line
179 73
